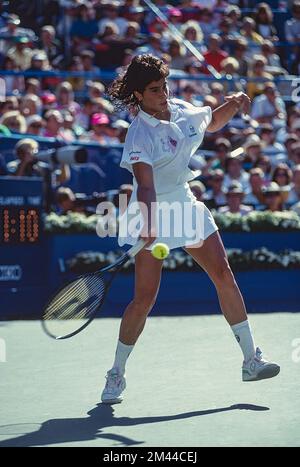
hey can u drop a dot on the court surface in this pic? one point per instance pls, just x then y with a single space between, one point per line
184 386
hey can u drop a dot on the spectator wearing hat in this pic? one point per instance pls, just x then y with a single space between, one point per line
11 31
120 128
50 44
229 69
87 60
14 121
35 125
198 189
234 172
269 106
255 197
272 197
234 198
215 197
32 86
233 13
253 150
30 104
189 94
273 60
153 46
26 163
21 53
99 133
222 151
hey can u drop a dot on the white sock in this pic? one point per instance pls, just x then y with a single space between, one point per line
122 353
243 335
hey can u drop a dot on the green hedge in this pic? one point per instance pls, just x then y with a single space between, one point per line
256 221
179 260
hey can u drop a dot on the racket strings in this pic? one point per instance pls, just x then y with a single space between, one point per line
78 300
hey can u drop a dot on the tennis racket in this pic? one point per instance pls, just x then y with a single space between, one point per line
76 304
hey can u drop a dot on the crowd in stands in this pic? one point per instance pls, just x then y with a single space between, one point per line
251 164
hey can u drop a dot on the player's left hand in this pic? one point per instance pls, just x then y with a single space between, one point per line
242 100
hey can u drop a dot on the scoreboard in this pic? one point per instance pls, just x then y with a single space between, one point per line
21 203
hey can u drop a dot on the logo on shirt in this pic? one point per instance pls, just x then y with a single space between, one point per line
134 157
192 131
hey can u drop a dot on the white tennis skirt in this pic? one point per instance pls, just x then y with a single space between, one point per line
181 220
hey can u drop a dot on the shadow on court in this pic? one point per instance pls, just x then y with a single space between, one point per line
72 430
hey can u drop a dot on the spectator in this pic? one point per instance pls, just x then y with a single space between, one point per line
87 59
253 38
111 15
32 86
255 196
265 22
26 163
264 164
215 196
11 31
273 64
294 195
240 48
269 106
30 104
282 175
21 53
292 26
198 189
177 54
192 32
253 148
272 198
35 125
234 197
84 28
99 132
215 55
77 82
272 148
206 24
12 83
14 121
65 98
295 153
54 126
120 128
234 172
66 201
258 70
50 44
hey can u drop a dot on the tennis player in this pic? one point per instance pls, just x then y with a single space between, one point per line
161 140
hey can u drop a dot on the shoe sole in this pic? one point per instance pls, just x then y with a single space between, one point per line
112 401
266 373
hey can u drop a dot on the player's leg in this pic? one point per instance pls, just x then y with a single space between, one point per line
147 281
211 256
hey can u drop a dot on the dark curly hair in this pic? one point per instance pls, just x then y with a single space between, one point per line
142 70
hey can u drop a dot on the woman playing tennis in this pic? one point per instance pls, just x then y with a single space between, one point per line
161 140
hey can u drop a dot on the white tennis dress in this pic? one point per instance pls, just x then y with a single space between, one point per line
168 148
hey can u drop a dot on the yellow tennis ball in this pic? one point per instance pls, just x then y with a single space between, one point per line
160 250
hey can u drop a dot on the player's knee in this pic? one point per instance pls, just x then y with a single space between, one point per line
145 303
223 275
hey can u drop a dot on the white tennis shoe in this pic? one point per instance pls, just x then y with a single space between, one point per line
257 368
114 387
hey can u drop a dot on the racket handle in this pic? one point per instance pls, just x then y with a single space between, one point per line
136 248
